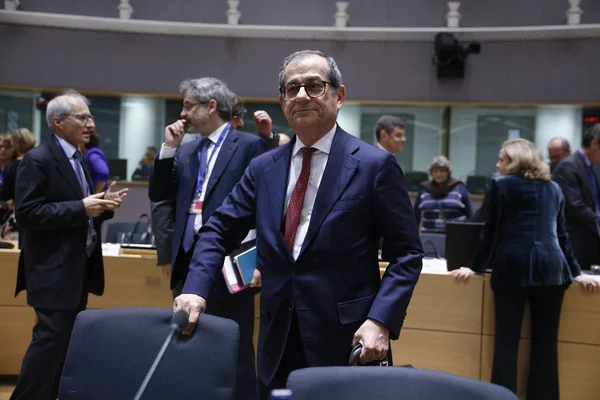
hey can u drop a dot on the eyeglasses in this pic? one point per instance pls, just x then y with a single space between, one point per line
5 147
188 106
83 118
312 89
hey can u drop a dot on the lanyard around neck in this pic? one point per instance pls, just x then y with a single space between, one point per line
202 174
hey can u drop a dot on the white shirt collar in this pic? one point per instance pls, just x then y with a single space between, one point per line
214 137
67 147
381 147
323 144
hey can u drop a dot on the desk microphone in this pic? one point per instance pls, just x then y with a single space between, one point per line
179 321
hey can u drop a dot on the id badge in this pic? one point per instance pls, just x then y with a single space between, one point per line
196 207
439 224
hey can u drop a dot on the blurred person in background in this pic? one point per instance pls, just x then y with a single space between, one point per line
6 153
142 172
558 149
390 133
525 243
262 122
96 161
442 198
22 140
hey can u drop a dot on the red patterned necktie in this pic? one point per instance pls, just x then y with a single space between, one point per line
292 217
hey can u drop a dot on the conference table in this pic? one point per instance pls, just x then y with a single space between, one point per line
449 327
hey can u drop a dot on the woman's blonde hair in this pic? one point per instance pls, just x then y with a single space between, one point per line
525 158
22 140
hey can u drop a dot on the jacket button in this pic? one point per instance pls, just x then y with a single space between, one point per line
296 270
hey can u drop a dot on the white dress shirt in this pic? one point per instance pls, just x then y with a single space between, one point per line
168 152
317 167
69 150
381 147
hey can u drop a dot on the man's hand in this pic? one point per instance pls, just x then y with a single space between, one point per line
256 279
96 205
115 196
174 133
375 341
193 305
166 270
263 123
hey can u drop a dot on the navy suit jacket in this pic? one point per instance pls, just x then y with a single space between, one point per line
177 177
525 240
334 285
52 219
583 223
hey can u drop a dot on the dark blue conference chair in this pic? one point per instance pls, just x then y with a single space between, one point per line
111 350
390 383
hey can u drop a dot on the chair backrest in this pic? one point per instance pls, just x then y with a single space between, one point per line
413 179
123 232
477 184
111 350
434 244
391 383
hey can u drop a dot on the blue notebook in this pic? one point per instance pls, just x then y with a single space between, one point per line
245 264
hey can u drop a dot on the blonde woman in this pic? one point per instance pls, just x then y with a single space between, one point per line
526 245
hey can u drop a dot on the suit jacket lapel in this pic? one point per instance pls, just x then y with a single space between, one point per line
341 166
276 178
587 190
65 168
226 153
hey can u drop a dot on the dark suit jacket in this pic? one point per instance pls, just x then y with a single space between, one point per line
163 220
51 215
583 224
524 240
178 177
334 284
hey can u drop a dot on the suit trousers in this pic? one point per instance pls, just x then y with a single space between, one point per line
293 358
43 362
238 307
545 305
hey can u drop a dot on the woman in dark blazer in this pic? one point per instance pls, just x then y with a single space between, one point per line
526 245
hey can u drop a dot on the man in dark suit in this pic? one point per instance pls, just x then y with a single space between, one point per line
201 174
580 186
320 204
61 258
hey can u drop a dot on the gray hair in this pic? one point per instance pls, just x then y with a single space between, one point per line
564 143
387 123
335 76
440 162
61 105
591 134
208 88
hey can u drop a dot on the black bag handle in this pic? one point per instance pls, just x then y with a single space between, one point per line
355 358
355 355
